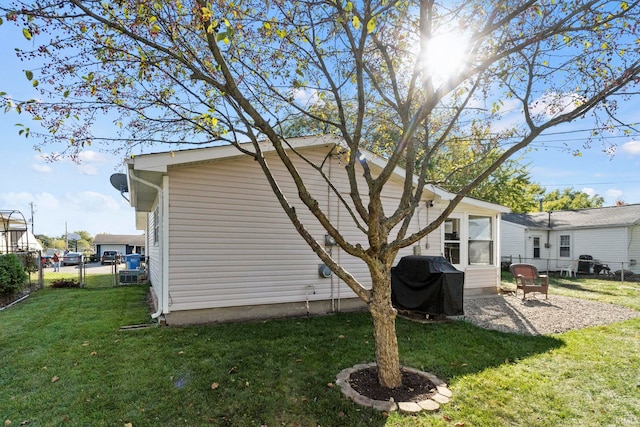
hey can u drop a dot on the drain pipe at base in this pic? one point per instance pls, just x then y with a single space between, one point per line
133 176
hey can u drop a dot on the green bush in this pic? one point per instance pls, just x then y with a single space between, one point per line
65 283
29 261
12 274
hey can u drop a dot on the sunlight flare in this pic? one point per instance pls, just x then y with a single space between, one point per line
446 55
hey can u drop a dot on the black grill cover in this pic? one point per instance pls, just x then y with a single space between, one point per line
428 284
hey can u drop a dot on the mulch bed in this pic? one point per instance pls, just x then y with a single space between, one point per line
414 388
9 299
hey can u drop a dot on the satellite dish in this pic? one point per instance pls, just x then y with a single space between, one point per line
119 182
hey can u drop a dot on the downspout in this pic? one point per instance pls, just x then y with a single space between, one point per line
548 245
160 295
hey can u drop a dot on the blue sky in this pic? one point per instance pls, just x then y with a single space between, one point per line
80 197
66 196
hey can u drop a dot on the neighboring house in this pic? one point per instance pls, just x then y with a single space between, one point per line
552 240
14 233
220 246
124 243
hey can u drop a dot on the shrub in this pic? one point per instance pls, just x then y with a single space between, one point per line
65 283
12 274
29 261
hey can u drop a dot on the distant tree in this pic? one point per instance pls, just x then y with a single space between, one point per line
570 199
58 243
86 241
509 185
44 240
196 71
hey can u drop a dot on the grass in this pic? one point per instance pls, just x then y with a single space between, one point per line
625 293
66 361
89 280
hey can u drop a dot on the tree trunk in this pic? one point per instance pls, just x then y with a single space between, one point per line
384 330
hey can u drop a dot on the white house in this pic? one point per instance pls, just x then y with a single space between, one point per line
123 243
552 240
220 247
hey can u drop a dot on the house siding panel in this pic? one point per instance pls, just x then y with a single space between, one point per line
153 252
221 256
512 238
604 244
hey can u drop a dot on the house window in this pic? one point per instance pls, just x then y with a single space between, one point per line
565 246
536 247
480 240
452 240
156 226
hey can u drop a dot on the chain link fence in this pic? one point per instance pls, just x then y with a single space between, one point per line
78 272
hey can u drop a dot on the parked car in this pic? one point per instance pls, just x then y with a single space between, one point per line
110 257
46 261
72 258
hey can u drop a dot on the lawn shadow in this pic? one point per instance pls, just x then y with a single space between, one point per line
456 348
578 287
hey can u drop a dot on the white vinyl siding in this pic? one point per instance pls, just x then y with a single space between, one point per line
512 239
153 253
232 244
608 245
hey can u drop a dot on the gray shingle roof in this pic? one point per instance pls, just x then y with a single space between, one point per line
611 216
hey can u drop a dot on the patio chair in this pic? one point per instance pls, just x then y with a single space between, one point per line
528 279
571 269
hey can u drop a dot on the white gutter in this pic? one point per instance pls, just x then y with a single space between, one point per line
160 295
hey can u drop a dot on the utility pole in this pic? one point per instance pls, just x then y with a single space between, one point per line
32 212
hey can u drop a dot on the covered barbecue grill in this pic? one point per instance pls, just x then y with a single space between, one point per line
427 284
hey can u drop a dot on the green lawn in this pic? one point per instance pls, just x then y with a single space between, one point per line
66 361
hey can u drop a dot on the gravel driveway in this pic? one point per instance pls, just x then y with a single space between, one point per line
537 316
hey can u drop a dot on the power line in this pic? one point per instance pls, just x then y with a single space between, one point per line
588 183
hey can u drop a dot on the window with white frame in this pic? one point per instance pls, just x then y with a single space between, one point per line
565 246
480 240
536 247
452 240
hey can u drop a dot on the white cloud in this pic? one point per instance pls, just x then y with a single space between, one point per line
553 104
40 168
88 169
11 200
590 191
92 201
614 193
632 147
92 156
306 97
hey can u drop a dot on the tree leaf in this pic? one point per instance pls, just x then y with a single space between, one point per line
356 22
27 34
371 25
29 74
